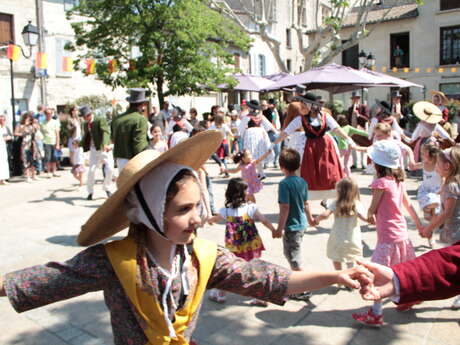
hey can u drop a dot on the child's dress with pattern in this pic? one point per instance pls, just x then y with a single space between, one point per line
393 243
249 174
241 235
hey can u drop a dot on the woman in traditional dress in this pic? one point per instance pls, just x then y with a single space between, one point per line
321 166
428 129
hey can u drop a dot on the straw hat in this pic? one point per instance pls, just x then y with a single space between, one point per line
427 112
110 217
444 98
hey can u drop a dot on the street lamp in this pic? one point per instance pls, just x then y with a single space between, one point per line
30 36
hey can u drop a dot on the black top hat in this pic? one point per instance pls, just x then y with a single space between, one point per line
272 101
254 104
385 106
85 110
397 94
355 94
137 95
307 97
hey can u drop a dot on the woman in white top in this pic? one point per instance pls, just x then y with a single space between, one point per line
5 135
321 166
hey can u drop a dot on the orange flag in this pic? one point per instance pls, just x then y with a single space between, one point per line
41 62
113 66
13 52
67 64
90 66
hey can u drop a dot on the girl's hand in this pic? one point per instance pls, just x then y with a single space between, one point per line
371 219
355 277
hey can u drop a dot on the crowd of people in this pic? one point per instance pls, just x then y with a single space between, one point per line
165 195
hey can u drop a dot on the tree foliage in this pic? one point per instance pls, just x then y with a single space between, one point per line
183 46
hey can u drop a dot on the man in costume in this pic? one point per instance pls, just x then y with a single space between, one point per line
129 130
96 140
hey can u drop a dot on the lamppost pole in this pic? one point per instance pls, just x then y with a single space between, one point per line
13 103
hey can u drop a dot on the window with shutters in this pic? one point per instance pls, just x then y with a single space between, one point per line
449 5
6 30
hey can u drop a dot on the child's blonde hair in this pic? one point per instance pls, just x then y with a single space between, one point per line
347 194
383 127
432 150
452 156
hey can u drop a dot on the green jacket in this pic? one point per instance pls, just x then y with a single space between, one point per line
100 133
129 134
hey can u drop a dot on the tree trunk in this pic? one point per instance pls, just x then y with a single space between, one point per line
160 94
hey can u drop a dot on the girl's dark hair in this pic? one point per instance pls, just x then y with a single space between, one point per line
181 177
235 195
432 150
238 157
382 171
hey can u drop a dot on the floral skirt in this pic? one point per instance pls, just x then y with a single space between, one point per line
242 238
389 254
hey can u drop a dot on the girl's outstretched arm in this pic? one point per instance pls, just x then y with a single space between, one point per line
300 281
215 219
412 212
322 216
261 218
234 170
261 158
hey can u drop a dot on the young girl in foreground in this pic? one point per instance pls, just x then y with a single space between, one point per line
344 244
154 279
248 168
241 235
388 198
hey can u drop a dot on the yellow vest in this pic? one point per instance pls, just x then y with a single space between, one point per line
122 256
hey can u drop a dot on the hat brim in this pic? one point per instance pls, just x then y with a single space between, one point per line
254 107
384 108
419 109
373 155
306 100
444 98
110 218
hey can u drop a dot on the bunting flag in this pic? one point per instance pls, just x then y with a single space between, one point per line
113 66
90 66
42 61
67 64
114 102
13 52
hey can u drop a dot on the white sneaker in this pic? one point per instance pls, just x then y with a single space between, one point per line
29 180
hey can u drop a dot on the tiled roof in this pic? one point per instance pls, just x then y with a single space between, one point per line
395 13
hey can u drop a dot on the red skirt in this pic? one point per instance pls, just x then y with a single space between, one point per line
321 166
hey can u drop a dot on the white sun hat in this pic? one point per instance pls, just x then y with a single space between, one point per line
386 153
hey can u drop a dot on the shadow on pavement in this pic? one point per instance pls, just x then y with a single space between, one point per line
71 240
79 322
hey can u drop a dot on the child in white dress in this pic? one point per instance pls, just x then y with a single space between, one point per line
428 195
344 244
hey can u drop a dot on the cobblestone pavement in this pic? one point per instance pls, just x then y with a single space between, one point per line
39 222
